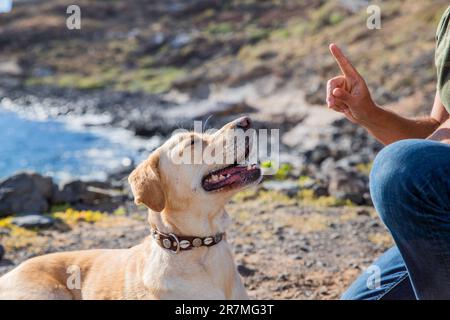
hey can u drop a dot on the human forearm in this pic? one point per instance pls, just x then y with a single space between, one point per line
388 127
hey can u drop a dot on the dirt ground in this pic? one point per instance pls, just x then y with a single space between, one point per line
283 249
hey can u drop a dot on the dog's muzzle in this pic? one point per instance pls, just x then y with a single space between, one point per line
177 243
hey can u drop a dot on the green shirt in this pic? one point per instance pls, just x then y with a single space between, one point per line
443 59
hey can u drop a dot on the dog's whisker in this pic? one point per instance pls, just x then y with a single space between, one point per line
206 122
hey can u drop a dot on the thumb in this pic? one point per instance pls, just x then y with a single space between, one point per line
343 95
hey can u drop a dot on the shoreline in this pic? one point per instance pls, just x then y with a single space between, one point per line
87 123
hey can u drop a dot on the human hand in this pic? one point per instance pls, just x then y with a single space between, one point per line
348 93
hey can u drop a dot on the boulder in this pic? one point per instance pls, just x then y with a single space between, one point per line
26 192
33 221
318 154
88 193
348 185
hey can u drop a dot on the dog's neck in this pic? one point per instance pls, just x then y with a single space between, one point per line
187 223
187 268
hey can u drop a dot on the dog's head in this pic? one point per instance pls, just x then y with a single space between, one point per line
197 171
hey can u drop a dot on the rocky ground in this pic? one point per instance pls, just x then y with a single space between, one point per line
285 248
304 233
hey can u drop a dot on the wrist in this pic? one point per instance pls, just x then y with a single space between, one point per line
373 115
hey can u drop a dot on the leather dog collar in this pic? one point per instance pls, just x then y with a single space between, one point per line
176 243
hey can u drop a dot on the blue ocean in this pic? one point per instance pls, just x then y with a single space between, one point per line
52 148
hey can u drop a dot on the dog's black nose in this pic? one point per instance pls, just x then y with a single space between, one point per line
244 123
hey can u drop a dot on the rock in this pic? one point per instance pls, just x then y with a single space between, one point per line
155 42
327 166
354 5
348 185
180 9
189 81
305 249
33 221
2 252
335 236
10 68
201 110
180 41
320 190
41 72
288 187
89 193
26 192
353 160
363 212
242 77
316 128
318 154
245 271
283 277
297 163
373 224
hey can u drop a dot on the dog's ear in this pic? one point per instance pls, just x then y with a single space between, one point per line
146 184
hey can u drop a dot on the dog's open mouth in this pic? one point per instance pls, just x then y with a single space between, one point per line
231 177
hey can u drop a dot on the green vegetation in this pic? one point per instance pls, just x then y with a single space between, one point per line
71 216
246 194
364 168
219 28
329 14
18 237
307 197
271 197
6 223
304 197
120 211
150 80
59 207
282 172
304 180
234 42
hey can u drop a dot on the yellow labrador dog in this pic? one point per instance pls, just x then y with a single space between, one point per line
186 256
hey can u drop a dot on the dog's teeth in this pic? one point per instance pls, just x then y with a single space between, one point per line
221 177
249 167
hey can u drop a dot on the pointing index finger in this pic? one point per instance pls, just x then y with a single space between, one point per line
345 65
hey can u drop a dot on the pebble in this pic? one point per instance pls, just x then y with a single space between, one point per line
245 271
33 221
2 252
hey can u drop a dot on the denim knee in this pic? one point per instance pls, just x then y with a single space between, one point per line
399 174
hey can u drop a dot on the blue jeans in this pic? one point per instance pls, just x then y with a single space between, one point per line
410 188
